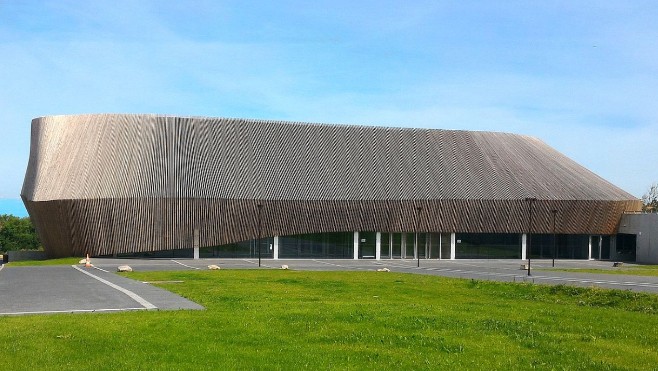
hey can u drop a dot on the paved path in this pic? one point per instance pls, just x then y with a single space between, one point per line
498 270
55 289
25 290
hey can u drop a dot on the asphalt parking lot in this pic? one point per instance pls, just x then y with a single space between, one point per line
498 270
70 289
67 289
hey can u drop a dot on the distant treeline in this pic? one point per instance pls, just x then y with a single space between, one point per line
17 234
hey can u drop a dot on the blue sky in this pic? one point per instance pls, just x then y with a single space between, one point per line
582 76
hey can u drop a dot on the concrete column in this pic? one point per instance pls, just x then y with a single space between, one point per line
589 248
196 244
275 251
378 246
453 245
524 246
356 245
403 245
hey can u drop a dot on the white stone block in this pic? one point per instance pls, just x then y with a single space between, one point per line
124 268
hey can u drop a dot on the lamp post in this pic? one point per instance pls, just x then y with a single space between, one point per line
260 206
530 201
554 211
418 209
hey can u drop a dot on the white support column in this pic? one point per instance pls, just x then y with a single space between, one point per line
275 251
356 245
589 248
378 246
524 246
403 245
196 244
453 245
440 246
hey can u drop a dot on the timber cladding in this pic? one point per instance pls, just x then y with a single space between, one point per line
107 183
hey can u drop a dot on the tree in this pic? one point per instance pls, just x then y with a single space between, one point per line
650 199
17 234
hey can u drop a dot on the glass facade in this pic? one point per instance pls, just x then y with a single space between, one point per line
396 245
367 245
408 245
386 246
244 249
600 246
488 246
445 245
318 245
162 254
626 247
568 246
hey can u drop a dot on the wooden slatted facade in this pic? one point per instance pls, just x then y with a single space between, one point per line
119 183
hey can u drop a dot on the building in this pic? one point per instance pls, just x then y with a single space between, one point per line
116 184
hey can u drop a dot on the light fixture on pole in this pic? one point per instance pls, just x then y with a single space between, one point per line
418 209
554 211
258 240
530 201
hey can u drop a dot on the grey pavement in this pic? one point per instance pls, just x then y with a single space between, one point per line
52 289
507 270
55 289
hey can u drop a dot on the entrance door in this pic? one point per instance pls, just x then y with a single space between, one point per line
367 245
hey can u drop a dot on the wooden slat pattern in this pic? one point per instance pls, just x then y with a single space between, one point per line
120 183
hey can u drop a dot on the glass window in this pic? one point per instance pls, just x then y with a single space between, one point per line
488 246
338 245
386 246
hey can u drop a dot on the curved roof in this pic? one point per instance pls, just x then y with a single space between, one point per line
125 155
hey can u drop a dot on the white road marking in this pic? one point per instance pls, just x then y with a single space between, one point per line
101 269
131 294
353 267
70 311
184 265
327 263
534 277
256 263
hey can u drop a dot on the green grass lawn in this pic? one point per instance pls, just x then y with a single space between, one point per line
275 319
632 270
59 261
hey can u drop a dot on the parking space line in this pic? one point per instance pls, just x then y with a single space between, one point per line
184 265
350 267
131 294
327 263
545 278
255 263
